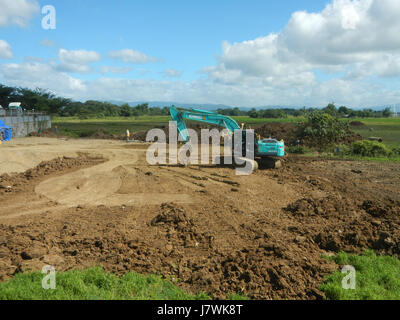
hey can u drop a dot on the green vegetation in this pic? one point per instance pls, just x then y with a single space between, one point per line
387 129
368 148
377 278
322 129
94 284
298 149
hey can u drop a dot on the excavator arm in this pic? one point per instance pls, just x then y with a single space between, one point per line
179 116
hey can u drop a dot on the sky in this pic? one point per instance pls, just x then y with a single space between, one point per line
242 53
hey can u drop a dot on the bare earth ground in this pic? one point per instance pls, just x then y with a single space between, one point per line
98 202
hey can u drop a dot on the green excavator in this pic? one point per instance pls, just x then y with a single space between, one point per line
268 152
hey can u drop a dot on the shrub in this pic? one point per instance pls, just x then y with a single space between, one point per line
368 148
396 151
323 129
298 149
342 150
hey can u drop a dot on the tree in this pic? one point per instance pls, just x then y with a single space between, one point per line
125 110
386 113
322 128
253 113
5 95
331 109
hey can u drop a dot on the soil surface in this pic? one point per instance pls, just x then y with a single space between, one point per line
81 203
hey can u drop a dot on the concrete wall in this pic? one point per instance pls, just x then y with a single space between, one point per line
24 124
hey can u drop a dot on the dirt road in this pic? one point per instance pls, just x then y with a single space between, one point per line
98 202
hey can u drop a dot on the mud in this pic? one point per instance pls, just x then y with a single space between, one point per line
262 235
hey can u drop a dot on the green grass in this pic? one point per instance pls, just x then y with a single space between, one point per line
390 133
377 278
386 128
75 127
94 284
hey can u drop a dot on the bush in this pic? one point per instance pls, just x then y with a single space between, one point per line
396 151
322 129
343 150
368 148
297 149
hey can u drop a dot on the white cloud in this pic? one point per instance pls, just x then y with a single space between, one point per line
41 75
172 73
5 50
17 12
77 60
131 56
116 70
357 38
344 53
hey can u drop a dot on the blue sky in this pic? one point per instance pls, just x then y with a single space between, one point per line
242 53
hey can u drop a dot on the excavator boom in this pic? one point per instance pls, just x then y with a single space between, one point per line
179 116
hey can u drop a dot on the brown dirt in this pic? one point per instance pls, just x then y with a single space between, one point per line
285 131
261 235
48 133
357 124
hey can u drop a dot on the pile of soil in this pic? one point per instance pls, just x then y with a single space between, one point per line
279 131
100 134
357 124
12 183
48 133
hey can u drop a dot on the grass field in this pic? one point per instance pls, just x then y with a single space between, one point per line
376 278
386 128
94 284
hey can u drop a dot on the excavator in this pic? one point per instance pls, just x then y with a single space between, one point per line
268 152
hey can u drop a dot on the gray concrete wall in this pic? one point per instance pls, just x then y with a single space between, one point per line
24 124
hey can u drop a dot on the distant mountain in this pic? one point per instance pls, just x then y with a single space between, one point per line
162 104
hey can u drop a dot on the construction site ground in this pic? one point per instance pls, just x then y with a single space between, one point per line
79 203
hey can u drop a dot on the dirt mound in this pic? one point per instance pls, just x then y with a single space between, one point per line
381 209
100 134
171 215
357 123
11 183
139 135
48 133
291 134
179 229
285 131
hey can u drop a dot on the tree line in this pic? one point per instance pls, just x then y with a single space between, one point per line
43 100
331 109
